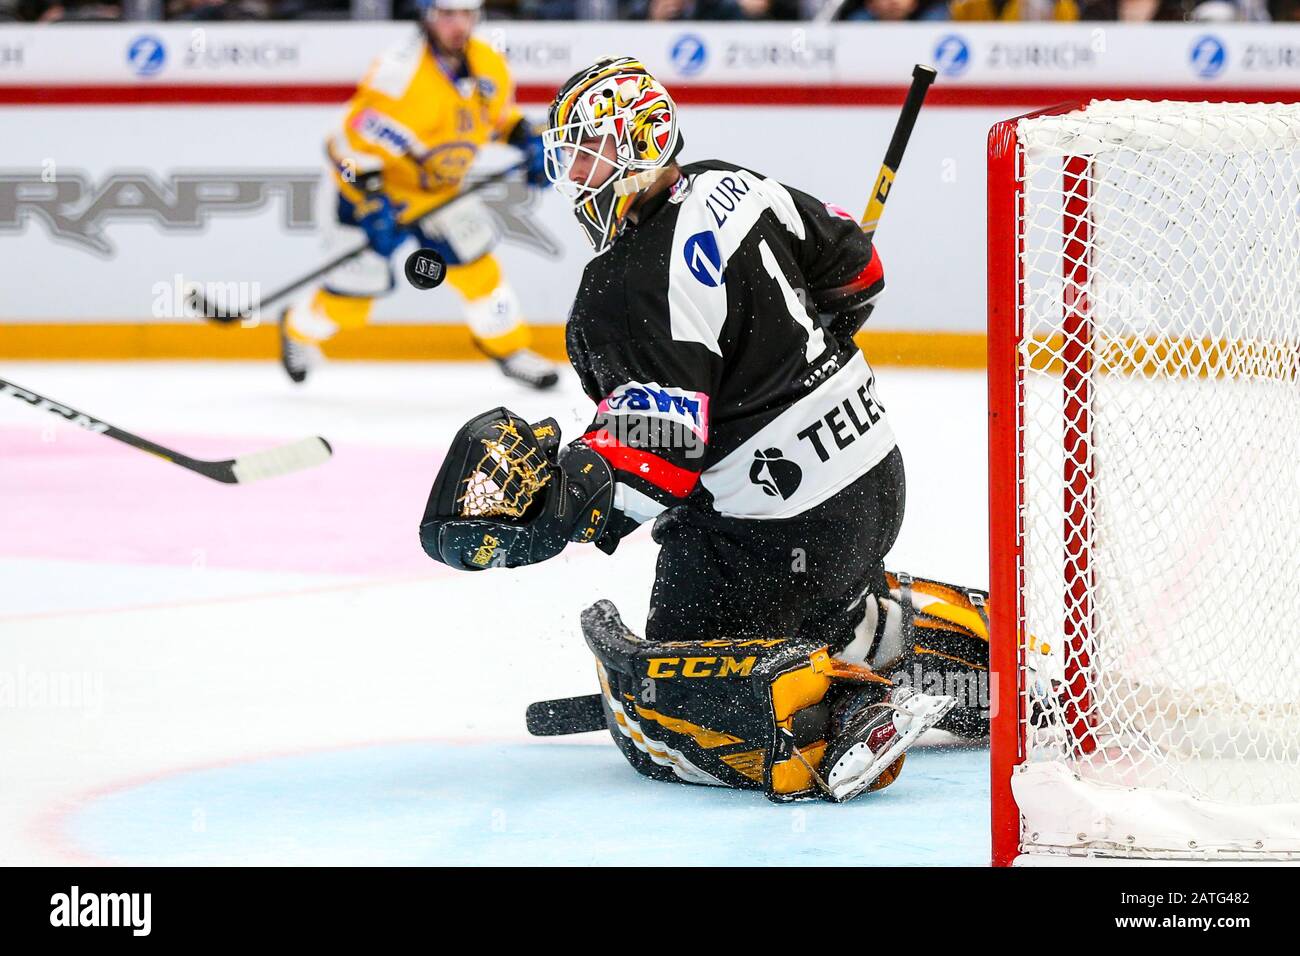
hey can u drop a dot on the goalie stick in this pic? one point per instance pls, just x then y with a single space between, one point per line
213 313
268 463
922 77
568 715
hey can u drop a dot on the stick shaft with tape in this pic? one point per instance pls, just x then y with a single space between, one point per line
922 77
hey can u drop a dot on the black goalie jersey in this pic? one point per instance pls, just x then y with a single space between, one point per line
716 336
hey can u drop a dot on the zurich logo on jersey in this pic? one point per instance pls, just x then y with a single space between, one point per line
703 258
146 55
1209 56
689 54
952 55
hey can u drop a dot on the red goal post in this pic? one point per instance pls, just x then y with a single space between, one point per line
1005 246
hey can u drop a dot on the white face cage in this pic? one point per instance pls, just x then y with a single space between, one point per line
587 162
582 157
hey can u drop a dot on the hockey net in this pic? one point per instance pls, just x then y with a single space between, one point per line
1144 349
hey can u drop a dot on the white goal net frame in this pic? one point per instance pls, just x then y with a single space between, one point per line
1144 482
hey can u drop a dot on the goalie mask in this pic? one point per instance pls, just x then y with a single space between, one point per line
612 129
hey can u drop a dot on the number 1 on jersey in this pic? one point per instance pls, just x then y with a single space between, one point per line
816 341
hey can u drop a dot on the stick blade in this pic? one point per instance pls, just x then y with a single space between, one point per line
281 460
569 715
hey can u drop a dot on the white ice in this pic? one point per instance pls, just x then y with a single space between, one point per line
196 673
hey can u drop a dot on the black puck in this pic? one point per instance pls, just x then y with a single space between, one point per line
425 269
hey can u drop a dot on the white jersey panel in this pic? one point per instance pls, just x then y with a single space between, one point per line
718 210
819 445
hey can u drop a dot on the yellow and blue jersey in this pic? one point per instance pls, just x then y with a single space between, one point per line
421 127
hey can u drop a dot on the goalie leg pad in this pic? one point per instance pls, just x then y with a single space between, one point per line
934 637
748 713
948 648
666 726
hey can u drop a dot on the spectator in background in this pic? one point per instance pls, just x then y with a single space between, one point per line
565 10
80 11
1144 11
218 10
327 10
895 10
1224 11
711 10
1040 10
1133 11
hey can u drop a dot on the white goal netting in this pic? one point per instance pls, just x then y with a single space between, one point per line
1160 453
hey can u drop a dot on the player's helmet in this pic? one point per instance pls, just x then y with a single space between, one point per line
613 114
424 6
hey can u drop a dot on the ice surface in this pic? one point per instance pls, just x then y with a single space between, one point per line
199 673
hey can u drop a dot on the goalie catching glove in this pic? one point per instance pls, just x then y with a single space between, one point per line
508 494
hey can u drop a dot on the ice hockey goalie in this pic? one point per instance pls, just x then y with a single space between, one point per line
713 330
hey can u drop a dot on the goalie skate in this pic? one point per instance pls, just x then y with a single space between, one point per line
876 738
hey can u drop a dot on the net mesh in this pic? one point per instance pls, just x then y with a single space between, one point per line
507 478
1159 373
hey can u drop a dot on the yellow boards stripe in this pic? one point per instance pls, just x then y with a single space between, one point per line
380 342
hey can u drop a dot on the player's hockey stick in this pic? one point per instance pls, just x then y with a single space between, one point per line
569 715
922 77
214 313
268 463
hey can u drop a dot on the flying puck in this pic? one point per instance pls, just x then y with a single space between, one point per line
425 269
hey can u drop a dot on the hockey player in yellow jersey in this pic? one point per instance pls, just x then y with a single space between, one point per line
410 134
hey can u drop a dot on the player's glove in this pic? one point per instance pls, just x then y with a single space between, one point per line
508 495
378 216
529 142
382 226
535 155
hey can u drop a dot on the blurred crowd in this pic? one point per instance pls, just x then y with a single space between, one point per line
66 11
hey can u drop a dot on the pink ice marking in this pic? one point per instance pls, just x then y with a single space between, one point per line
86 497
